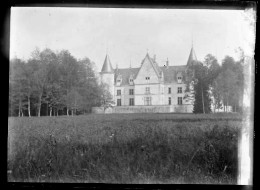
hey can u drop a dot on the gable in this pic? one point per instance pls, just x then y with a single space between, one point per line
148 69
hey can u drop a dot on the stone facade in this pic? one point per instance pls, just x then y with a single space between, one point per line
145 109
150 88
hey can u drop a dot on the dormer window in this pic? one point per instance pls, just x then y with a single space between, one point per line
179 78
147 78
119 80
131 80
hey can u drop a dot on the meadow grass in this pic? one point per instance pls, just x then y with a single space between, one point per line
125 148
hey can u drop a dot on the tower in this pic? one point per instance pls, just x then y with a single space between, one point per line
192 57
107 75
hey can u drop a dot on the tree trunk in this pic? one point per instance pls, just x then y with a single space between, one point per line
202 99
19 109
67 111
47 111
50 111
227 104
39 105
29 106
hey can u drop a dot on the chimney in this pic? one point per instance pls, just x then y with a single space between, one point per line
167 63
116 67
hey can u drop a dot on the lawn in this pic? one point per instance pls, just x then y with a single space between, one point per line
125 148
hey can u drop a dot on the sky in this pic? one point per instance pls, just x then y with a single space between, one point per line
126 35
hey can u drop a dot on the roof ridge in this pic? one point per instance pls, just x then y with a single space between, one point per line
173 66
129 68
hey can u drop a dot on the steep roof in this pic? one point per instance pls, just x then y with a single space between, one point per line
192 57
126 73
170 73
107 67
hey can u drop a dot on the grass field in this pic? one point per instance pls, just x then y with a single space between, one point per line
125 148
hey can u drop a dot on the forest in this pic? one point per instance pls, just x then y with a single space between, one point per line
53 83
212 86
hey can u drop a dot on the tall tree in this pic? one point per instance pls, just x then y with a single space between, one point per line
43 61
69 74
230 83
17 82
213 70
74 101
201 89
29 81
198 83
89 89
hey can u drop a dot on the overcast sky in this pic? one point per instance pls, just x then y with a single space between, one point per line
127 34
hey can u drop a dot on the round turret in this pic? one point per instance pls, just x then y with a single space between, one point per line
107 75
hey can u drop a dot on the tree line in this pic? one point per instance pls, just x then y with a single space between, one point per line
211 86
53 83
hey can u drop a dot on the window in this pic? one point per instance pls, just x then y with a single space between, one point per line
147 90
118 92
179 100
169 90
131 102
179 78
131 91
118 81
147 78
147 101
131 81
118 102
170 101
179 90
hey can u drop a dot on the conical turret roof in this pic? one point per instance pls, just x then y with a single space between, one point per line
192 57
107 67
